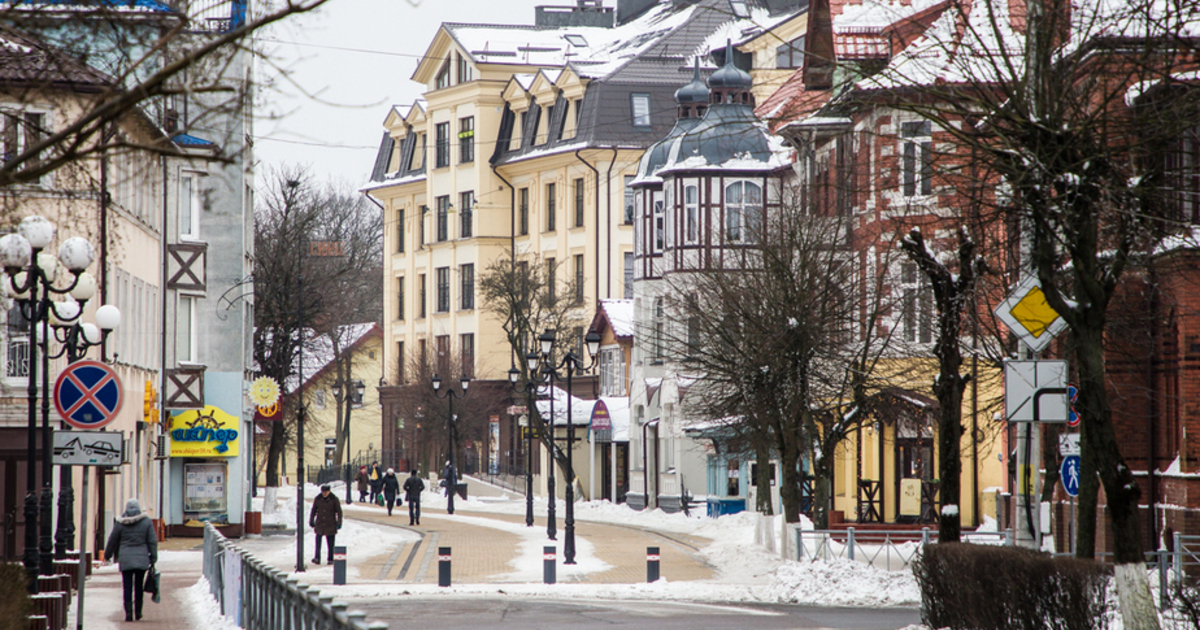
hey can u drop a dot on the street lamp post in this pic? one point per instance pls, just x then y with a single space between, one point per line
31 277
528 389
76 339
354 392
450 395
572 365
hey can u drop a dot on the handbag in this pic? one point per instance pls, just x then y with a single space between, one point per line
379 499
152 584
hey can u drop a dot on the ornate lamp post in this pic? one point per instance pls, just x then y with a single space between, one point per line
354 390
528 389
31 276
572 364
450 395
76 339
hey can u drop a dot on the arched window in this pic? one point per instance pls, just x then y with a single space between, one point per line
743 211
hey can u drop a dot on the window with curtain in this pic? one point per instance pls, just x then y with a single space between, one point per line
743 211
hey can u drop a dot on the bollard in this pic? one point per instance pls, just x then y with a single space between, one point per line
651 564
339 565
443 566
850 542
548 567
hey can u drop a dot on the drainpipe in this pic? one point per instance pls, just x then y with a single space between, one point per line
597 174
607 230
1152 417
512 236
162 368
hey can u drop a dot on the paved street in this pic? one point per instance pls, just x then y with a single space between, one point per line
395 581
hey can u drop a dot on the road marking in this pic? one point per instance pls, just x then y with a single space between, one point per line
430 551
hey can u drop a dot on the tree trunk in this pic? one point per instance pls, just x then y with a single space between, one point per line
949 394
762 479
275 452
1102 457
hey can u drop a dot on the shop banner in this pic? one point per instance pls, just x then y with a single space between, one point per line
208 432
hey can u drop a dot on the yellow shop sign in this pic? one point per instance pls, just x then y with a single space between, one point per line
208 432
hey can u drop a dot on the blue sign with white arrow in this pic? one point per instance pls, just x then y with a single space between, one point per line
1069 474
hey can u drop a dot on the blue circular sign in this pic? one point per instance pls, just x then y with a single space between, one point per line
88 394
1069 474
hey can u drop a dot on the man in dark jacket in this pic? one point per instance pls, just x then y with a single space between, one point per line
326 519
413 487
134 545
391 486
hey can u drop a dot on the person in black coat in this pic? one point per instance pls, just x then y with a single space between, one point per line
325 518
413 487
375 478
134 545
391 486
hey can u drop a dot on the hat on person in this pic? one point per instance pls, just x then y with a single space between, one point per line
324 487
391 471
362 467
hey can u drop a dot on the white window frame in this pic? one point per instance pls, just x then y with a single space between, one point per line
22 139
691 214
916 158
190 191
639 109
917 311
185 330
738 221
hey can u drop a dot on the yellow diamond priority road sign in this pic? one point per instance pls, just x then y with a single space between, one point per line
1029 317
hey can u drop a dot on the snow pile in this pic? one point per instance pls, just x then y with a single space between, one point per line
841 582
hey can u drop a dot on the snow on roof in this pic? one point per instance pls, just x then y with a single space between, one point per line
876 14
739 31
392 180
620 316
607 50
581 410
954 49
1188 240
318 350
618 413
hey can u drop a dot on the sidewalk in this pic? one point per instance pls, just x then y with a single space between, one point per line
487 548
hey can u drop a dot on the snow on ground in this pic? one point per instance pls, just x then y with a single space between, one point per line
746 571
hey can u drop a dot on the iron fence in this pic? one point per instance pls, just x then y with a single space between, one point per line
889 549
262 597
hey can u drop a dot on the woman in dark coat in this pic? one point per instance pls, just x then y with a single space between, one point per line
391 486
133 544
364 483
325 518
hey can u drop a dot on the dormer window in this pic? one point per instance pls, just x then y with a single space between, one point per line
464 69
576 40
790 55
641 109
443 77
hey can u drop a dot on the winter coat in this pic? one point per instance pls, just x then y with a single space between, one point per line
362 480
413 487
391 486
376 478
133 541
325 517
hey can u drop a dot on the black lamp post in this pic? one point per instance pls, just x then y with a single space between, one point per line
528 389
450 395
76 339
31 277
572 364
355 393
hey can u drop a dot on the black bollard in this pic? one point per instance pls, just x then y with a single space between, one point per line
651 564
443 566
339 565
548 567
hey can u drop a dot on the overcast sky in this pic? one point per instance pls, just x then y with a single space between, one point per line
345 66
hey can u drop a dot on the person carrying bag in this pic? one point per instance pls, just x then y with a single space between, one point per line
133 544
151 585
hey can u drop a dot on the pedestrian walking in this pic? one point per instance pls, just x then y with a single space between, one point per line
364 483
391 487
375 475
413 487
133 544
325 518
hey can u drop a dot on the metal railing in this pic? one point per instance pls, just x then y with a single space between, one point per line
891 549
269 599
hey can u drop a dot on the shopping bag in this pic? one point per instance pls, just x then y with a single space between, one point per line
152 584
379 500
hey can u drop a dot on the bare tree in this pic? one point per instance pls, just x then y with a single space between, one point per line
317 252
786 348
529 297
178 69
